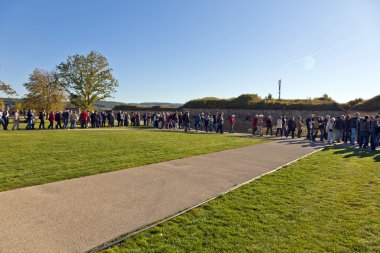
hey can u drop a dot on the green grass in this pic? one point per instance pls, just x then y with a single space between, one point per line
327 202
37 157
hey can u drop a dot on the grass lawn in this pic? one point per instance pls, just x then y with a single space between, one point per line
327 202
37 157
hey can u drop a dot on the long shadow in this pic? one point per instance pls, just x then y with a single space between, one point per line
361 153
303 143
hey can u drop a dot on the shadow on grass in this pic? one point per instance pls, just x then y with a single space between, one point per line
351 152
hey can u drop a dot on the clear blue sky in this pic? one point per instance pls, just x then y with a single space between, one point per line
175 51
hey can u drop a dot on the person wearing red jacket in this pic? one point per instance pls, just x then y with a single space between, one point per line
231 123
84 119
51 120
254 124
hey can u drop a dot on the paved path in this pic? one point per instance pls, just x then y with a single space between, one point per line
79 214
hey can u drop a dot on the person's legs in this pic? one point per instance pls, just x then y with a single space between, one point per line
353 134
338 136
366 139
299 132
6 122
373 141
329 134
361 139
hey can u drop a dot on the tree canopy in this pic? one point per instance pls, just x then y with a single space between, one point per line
7 89
87 79
45 93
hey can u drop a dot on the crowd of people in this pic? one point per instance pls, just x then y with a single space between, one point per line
71 119
364 131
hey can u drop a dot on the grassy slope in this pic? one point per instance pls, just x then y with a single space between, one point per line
328 202
37 157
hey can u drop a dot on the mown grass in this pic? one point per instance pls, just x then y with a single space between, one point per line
327 202
37 157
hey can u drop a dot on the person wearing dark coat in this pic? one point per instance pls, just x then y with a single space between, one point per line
347 129
291 127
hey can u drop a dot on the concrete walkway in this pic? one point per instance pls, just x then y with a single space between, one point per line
79 214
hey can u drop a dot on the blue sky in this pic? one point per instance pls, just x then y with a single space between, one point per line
174 51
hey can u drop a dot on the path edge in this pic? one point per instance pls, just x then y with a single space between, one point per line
123 237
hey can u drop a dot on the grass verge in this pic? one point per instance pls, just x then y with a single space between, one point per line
327 202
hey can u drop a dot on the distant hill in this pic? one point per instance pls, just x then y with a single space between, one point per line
253 101
11 101
369 105
245 101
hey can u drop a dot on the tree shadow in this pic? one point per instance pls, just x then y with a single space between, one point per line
360 153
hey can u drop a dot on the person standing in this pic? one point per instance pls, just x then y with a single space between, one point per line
186 122
279 126
321 126
260 125
330 130
220 122
73 119
354 126
364 130
254 124
197 122
58 118
66 116
374 129
41 117
112 119
291 127
51 120
211 124
315 128
339 123
145 119
269 124
207 122
1 118
284 123
299 127
347 129
103 118
231 123
309 127
16 120
6 118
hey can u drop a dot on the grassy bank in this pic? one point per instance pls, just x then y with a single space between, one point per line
37 157
327 202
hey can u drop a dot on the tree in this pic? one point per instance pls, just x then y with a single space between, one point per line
7 89
18 106
1 104
87 79
45 93
269 96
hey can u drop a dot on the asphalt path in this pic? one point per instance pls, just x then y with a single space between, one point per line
78 214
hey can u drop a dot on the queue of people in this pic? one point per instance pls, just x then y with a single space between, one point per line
364 131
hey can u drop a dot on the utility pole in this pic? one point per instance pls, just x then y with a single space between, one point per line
279 89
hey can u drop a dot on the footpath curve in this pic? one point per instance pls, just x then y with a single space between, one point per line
78 214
